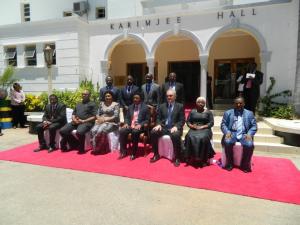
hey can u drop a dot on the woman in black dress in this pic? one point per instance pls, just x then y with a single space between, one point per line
197 141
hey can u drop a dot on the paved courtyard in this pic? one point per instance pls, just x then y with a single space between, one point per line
37 195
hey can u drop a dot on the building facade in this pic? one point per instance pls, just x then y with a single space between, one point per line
193 38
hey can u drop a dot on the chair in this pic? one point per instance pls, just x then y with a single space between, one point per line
113 141
87 143
165 147
237 155
57 137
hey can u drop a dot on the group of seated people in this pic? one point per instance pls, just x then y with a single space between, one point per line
238 124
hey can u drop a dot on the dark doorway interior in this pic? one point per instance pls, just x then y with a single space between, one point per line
188 73
138 71
227 72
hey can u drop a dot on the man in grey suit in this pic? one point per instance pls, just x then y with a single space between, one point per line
170 121
151 92
173 84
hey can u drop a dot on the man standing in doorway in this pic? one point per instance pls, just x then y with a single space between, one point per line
252 81
173 84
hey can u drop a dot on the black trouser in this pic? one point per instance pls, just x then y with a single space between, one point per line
17 112
52 133
251 98
175 137
67 137
123 139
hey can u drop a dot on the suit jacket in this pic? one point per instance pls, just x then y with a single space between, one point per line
248 120
114 90
125 97
177 116
143 116
153 97
58 116
256 82
179 92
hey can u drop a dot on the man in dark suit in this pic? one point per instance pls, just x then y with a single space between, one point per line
238 124
136 121
109 87
151 92
170 121
127 93
252 86
53 119
171 83
83 118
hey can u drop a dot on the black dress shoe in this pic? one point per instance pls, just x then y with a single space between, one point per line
247 170
176 162
228 167
64 148
122 155
132 157
154 158
40 148
52 149
81 152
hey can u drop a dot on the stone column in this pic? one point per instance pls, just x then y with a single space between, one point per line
151 65
40 60
103 72
203 85
20 56
264 59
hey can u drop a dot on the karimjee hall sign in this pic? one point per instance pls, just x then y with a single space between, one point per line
168 20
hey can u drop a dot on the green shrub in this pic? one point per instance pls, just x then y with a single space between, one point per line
283 112
35 103
69 98
269 107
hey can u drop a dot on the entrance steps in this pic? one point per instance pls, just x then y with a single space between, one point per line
264 139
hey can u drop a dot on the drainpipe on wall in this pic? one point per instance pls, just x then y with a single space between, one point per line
297 80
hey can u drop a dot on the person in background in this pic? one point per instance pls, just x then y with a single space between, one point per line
53 119
198 148
151 92
17 98
107 120
83 118
252 86
136 122
127 93
170 121
238 125
172 83
109 87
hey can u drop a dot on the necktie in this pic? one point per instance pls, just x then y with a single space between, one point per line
148 88
128 89
136 107
239 126
169 121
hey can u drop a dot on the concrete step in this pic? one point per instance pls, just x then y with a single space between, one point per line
269 138
265 147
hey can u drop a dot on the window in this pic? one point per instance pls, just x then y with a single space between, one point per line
26 12
30 55
11 56
100 12
67 13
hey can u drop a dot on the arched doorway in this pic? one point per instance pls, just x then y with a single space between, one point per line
229 55
180 54
127 57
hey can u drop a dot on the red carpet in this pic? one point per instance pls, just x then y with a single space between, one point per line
272 178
